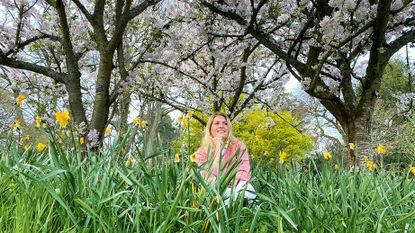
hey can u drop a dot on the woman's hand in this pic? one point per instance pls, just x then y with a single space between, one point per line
218 142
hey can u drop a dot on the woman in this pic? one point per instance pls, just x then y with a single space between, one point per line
225 153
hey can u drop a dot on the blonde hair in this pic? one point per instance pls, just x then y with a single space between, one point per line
207 139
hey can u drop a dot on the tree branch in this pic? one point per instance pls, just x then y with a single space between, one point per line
58 77
265 39
84 11
398 43
141 8
31 40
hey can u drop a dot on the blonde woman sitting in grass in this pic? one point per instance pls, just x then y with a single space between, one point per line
222 155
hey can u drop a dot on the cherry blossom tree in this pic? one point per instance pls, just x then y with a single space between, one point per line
337 49
73 43
205 72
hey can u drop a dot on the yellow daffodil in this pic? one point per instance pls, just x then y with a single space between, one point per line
326 155
15 125
20 99
143 124
130 161
193 157
201 191
180 118
107 131
412 170
189 114
81 140
24 139
38 121
336 167
137 121
185 122
62 118
371 165
381 149
40 147
176 158
351 146
283 156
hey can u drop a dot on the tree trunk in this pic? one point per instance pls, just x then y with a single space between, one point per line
124 99
350 131
124 111
363 125
357 130
102 98
72 82
154 113
73 87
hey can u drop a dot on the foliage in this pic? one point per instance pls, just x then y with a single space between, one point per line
167 131
402 148
392 123
395 82
266 134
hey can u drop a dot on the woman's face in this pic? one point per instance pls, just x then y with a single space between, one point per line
220 127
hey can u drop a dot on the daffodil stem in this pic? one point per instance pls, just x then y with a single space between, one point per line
175 202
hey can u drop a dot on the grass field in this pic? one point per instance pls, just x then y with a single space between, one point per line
58 191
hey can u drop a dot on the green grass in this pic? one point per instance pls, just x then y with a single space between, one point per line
58 191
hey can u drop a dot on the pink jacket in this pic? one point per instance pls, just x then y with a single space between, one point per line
243 173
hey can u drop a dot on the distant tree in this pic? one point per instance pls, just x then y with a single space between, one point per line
393 118
267 134
7 117
398 80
